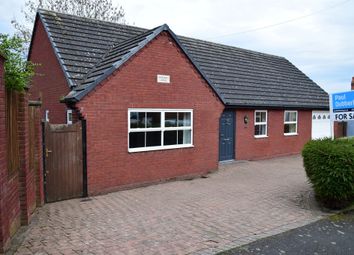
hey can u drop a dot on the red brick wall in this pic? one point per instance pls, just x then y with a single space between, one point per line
276 144
49 84
9 190
17 191
3 173
134 86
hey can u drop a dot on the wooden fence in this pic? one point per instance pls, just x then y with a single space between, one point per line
12 131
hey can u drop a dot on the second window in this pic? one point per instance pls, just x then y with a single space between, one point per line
260 123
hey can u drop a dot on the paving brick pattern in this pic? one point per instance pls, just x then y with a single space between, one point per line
240 203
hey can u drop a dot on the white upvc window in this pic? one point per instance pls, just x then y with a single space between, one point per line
290 122
69 117
159 129
260 123
46 117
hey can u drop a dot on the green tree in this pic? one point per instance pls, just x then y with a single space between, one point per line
18 71
96 9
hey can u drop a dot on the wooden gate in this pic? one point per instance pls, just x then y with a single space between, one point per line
63 155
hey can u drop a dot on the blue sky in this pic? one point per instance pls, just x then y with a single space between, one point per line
319 40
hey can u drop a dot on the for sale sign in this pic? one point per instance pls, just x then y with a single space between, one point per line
342 106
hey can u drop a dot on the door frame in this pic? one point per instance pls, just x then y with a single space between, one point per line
233 134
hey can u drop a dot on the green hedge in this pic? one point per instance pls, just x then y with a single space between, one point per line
329 165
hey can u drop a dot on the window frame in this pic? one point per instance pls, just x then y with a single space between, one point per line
291 122
261 123
68 112
162 128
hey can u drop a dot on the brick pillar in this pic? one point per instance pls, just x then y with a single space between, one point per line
27 182
36 120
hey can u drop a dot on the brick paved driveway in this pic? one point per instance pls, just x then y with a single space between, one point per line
238 204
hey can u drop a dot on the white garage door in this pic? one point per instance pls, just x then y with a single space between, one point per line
321 124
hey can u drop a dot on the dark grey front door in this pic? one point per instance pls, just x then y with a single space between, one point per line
227 136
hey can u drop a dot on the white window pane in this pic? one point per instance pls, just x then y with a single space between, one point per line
170 137
287 116
184 136
293 116
136 139
263 116
260 129
153 119
289 128
258 116
171 119
153 138
184 119
137 120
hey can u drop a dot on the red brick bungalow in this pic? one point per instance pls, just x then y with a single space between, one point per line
160 106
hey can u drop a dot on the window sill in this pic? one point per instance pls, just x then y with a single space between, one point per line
160 148
260 136
291 134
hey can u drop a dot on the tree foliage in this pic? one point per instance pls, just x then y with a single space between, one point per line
18 71
95 9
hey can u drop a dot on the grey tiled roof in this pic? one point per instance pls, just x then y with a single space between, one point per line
88 50
112 60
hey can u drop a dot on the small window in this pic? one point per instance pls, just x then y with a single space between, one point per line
260 123
69 117
152 129
290 122
46 117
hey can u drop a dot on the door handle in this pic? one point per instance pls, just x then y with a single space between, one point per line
47 152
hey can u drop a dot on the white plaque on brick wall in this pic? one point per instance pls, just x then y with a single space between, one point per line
163 78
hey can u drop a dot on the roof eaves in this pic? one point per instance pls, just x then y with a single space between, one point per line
279 106
57 54
78 93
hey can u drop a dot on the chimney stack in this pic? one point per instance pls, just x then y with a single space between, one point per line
353 83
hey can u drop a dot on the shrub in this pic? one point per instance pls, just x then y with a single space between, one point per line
18 71
329 165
